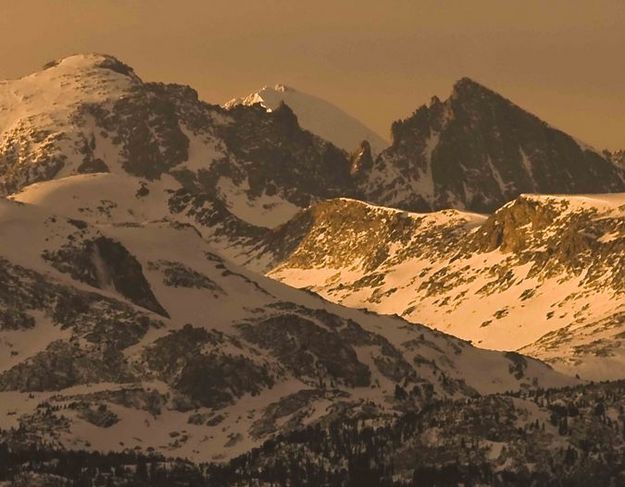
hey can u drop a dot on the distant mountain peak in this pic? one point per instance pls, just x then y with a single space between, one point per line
277 88
466 83
477 150
315 115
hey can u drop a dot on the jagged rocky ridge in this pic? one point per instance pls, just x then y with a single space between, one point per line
477 151
542 274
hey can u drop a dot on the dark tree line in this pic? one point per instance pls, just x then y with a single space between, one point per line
387 451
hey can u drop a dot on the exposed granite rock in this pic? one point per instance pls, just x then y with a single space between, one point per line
362 159
147 129
15 319
103 262
293 404
176 274
28 156
97 414
135 397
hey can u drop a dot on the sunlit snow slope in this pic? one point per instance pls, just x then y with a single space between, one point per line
543 274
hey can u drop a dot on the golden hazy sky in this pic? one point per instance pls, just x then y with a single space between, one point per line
379 60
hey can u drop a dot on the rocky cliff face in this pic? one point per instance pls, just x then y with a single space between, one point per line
477 151
349 234
362 159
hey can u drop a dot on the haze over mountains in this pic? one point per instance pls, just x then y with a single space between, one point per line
137 221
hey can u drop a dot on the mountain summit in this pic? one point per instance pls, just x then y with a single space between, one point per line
477 150
316 115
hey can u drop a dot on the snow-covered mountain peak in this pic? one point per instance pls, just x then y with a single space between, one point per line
81 78
89 61
465 83
315 115
46 125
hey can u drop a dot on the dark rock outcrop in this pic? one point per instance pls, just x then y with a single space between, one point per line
192 362
362 159
307 349
102 263
476 151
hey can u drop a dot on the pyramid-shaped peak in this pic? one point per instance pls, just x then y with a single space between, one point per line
467 87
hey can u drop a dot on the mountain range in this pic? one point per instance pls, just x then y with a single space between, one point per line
153 247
